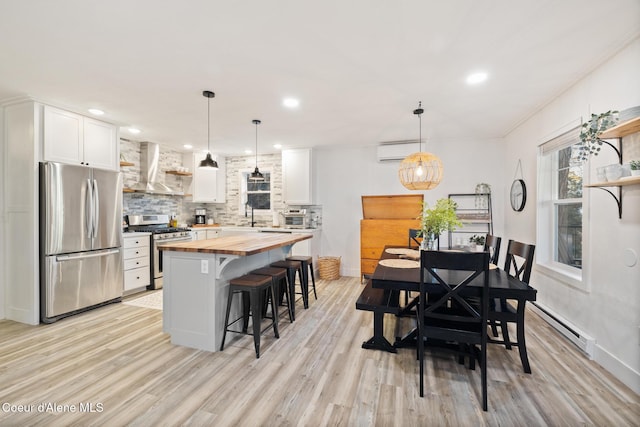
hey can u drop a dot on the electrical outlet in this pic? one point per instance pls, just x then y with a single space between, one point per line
204 266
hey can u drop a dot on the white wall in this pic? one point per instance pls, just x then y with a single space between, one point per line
344 174
608 309
2 218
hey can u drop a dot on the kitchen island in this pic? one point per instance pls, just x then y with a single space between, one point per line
196 282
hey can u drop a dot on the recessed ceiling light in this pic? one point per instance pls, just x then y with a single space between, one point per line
188 146
96 112
477 78
277 146
248 151
134 131
291 102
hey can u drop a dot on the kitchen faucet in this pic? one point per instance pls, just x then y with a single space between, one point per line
253 223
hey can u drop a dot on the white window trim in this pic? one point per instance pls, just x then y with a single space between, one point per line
545 222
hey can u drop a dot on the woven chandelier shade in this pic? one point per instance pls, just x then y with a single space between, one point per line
431 173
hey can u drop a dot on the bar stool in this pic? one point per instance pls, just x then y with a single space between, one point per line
251 286
278 276
292 267
307 265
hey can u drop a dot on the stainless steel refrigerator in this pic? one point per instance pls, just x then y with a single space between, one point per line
80 239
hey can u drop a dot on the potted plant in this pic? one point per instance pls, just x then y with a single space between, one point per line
478 240
635 167
590 142
435 221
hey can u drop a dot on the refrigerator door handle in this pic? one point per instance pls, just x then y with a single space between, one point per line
93 254
88 210
96 208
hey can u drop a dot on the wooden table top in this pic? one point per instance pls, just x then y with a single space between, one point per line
242 245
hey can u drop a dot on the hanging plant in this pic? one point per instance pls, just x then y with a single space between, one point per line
590 142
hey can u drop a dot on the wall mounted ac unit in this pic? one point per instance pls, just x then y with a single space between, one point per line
396 151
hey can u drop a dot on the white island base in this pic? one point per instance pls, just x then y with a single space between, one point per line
196 288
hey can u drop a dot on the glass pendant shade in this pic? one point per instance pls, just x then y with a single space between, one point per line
421 171
208 161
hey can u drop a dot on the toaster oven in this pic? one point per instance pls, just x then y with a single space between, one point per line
296 218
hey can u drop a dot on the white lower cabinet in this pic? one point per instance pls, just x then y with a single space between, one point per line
137 269
204 234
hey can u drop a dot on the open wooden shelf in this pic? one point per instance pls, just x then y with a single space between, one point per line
631 180
622 129
128 190
179 173
125 163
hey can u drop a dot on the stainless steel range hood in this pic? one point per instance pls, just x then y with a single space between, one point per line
149 170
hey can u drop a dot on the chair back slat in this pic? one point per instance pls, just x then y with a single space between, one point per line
414 240
519 260
492 245
471 265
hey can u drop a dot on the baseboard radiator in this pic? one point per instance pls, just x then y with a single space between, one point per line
584 342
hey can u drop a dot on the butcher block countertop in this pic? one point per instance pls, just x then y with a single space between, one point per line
242 245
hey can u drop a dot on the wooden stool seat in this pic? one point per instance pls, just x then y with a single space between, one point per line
307 266
252 286
278 275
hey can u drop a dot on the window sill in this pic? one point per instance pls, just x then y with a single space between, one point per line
567 276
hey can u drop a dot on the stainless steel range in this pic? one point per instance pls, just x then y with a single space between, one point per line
161 232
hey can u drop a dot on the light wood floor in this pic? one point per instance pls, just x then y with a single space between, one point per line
117 359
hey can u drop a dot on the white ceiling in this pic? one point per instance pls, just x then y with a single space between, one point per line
359 67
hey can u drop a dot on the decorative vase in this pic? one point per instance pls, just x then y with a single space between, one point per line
429 242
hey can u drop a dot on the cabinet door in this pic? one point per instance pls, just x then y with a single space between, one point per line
209 184
296 177
62 136
100 144
212 234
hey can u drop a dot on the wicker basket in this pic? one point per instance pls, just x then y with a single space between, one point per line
329 267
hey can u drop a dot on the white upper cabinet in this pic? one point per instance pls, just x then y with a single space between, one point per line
75 139
207 185
297 185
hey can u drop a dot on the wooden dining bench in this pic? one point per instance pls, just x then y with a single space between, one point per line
379 301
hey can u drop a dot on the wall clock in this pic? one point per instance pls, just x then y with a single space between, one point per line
518 195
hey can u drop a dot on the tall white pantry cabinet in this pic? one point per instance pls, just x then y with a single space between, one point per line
27 139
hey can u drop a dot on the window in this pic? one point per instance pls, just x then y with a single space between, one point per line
568 208
256 195
560 206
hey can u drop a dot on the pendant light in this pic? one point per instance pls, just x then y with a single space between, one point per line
256 176
420 171
208 162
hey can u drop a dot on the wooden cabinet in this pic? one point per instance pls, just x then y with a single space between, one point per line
137 268
375 234
75 139
386 221
207 185
297 177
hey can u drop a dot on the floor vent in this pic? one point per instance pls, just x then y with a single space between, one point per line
582 341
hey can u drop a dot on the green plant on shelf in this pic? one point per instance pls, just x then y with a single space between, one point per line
590 142
635 165
477 239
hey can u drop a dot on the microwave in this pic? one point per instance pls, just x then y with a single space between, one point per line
295 218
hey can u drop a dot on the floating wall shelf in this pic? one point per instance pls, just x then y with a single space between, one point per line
621 130
125 163
179 173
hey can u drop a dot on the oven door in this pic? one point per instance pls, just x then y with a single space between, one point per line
156 259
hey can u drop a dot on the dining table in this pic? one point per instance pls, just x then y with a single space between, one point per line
399 270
